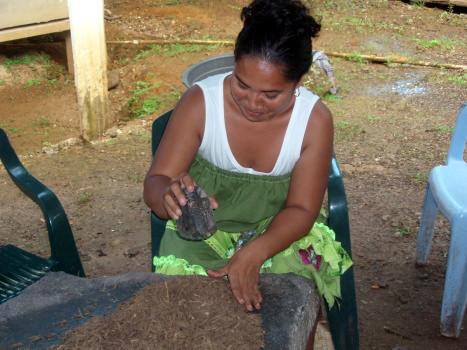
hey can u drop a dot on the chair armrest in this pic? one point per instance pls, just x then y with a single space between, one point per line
343 319
157 231
338 213
62 244
157 224
158 128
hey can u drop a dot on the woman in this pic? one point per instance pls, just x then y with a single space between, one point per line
261 146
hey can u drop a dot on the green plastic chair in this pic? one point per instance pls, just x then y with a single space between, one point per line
19 268
343 320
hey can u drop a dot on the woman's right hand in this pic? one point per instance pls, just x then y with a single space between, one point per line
174 197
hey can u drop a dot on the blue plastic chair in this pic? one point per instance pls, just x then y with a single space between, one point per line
446 191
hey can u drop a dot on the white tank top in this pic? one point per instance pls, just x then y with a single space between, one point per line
215 147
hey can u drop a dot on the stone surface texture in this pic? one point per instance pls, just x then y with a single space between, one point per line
60 302
197 220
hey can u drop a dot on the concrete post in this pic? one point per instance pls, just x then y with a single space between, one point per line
90 65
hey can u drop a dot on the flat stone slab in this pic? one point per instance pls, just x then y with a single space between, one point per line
44 312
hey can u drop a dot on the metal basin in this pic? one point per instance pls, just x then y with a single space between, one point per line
208 67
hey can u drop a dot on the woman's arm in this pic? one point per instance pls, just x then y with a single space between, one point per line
307 186
306 192
168 173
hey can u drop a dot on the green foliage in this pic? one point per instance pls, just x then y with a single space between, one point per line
405 230
142 89
27 59
459 79
84 198
443 155
142 103
373 119
443 42
136 178
347 131
443 128
417 3
153 103
419 178
331 98
32 82
356 57
173 50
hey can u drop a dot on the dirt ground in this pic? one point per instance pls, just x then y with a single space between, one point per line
393 124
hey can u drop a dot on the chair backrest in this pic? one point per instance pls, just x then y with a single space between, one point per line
62 244
459 137
344 320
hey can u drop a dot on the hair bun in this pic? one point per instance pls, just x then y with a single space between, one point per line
286 15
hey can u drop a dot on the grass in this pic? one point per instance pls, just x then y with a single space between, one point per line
443 155
42 122
443 128
459 79
142 103
32 82
154 103
49 74
332 98
348 131
443 42
405 230
417 3
356 57
142 88
85 198
419 178
173 50
136 178
373 119
26 59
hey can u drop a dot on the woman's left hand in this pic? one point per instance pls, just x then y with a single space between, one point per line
243 274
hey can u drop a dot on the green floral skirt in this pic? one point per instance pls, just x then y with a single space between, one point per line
316 256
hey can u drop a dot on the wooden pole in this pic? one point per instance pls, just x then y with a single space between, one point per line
69 53
389 59
90 65
371 58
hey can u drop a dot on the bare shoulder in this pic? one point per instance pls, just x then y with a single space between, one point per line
321 115
190 110
182 137
320 127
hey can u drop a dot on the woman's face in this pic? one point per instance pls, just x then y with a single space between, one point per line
260 89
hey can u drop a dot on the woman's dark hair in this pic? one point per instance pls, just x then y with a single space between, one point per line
280 32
